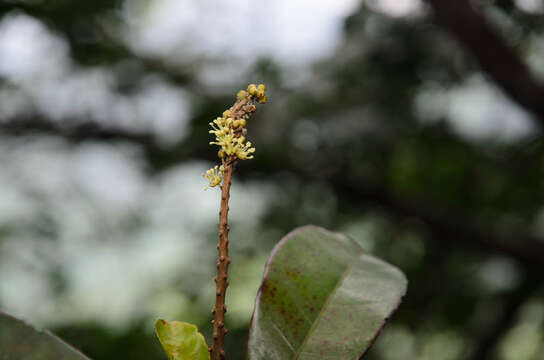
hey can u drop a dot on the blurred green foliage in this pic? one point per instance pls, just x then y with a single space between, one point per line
364 145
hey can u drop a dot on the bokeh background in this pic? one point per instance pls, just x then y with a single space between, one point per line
411 126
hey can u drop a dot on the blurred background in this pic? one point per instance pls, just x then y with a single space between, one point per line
412 126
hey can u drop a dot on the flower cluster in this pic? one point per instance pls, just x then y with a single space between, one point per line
230 131
258 92
214 175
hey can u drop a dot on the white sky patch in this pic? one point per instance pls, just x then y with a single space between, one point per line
37 61
289 31
476 109
531 6
23 44
108 174
397 8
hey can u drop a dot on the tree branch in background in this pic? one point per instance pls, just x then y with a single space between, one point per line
448 227
495 56
75 134
524 248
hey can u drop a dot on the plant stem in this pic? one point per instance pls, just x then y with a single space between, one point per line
221 280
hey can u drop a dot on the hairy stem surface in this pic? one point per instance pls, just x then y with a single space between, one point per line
221 280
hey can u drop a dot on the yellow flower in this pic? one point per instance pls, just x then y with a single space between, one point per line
252 89
241 94
214 176
229 131
244 151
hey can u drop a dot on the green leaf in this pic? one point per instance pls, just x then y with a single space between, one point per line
181 340
19 341
321 297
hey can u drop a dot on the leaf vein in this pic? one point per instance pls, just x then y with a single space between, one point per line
284 337
318 317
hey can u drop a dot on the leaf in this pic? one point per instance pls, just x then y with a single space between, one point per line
321 297
181 340
19 341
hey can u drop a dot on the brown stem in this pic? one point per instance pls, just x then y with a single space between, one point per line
221 280
238 110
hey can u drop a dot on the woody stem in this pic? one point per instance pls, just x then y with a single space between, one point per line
219 330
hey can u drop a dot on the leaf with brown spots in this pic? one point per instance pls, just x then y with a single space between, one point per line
321 297
21 341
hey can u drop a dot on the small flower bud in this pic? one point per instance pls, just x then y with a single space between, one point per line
243 122
261 87
241 94
262 100
236 123
221 154
226 113
252 89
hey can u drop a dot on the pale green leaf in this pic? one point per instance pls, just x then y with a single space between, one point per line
322 297
181 340
20 341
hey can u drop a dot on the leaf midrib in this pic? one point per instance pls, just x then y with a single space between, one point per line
325 304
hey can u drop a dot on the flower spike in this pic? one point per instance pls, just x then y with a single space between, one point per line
229 131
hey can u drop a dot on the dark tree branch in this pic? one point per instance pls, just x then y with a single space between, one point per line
499 60
73 133
444 225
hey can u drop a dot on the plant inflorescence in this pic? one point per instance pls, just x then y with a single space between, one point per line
230 131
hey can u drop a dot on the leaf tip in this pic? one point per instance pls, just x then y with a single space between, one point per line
181 340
